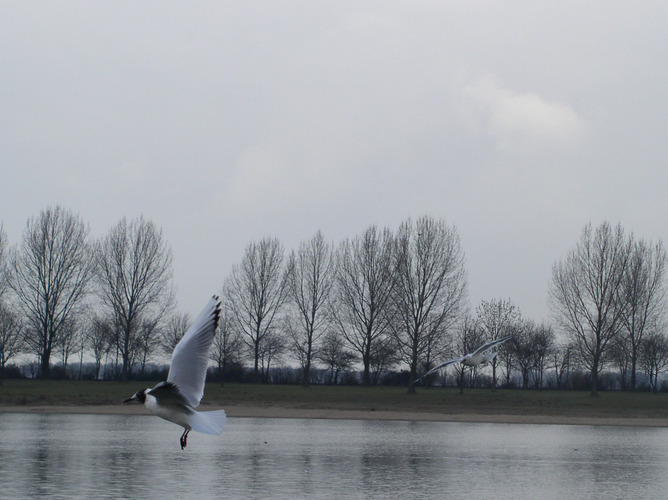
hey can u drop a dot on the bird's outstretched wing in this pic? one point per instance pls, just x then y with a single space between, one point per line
168 395
187 370
442 365
490 345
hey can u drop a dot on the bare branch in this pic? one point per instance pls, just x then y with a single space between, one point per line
364 284
430 288
585 293
50 275
134 271
255 293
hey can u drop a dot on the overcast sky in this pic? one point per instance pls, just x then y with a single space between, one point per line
226 122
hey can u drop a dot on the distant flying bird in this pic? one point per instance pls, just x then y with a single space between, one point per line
481 356
176 398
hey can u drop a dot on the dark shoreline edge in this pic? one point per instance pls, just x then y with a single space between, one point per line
243 411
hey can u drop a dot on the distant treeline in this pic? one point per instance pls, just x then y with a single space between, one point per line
380 308
577 380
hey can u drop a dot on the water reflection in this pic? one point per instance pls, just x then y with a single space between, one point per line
100 456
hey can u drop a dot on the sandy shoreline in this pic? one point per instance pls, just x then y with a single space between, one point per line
241 411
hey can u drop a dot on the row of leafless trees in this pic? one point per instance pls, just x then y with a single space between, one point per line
537 357
609 297
387 299
52 275
382 299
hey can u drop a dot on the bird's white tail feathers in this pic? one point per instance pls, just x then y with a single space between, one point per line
208 422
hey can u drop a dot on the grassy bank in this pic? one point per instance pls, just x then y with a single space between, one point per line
17 393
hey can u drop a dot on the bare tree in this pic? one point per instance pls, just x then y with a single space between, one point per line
561 361
523 350
11 336
384 355
272 349
364 283
654 357
507 359
255 294
532 345
11 326
467 338
619 354
644 296
497 318
311 273
134 268
172 332
544 344
148 341
99 339
227 344
585 293
70 342
335 355
50 274
430 287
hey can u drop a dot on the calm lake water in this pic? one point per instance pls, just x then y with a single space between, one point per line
114 456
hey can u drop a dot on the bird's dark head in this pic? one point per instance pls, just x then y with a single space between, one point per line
137 397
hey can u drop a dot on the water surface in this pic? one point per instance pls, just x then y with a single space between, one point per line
129 456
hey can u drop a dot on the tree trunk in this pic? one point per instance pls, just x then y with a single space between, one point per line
307 366
221 372
411 379
45 366
307 374
256 368
634 354
594 379
124 373
366 359
413 367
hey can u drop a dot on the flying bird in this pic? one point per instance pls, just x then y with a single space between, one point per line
480 356
176 398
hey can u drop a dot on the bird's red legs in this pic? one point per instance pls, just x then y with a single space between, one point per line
184 438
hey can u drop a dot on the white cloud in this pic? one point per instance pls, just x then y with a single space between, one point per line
520 122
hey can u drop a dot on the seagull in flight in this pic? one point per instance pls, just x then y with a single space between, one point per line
480 356
176 398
